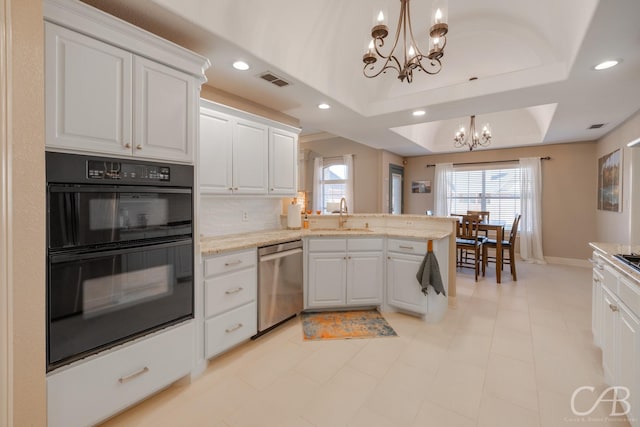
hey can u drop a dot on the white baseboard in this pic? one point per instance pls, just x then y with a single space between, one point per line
568 261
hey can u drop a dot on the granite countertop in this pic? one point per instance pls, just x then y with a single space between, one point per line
210 245
608 250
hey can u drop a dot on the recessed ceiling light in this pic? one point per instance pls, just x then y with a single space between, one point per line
324 106
418 113
606 64
241 65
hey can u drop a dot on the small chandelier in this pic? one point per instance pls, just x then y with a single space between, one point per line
462 138
412 57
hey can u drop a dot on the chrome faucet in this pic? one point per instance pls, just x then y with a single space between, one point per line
343 208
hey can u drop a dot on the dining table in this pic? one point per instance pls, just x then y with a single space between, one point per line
498 227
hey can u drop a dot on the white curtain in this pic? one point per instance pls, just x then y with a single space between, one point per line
317 184
441 184
531 211
348 161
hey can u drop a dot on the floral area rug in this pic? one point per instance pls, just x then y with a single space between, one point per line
345 324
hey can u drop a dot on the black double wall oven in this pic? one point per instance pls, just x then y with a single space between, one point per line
119 252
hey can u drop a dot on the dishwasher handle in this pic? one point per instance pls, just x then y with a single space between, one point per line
280 254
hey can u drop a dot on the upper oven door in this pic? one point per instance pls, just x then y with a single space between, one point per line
88 215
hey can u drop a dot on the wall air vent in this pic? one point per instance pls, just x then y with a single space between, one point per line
596 126
273 79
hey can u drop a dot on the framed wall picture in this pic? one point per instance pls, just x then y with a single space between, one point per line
421 186
610 182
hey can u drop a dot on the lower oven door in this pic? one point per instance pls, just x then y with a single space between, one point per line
102 298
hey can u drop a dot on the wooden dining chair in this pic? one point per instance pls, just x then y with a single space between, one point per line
484 217
506 244
469 243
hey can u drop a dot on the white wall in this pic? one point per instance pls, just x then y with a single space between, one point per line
615 227
366 164
220 216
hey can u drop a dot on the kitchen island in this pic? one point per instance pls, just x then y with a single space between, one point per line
414 227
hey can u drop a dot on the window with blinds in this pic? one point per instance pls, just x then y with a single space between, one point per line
334 186
494 190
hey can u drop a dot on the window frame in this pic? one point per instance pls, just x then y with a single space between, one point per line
327 163
484 196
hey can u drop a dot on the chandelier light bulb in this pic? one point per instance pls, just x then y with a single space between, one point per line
381 18
438 16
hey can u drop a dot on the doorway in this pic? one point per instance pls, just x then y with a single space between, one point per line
396 184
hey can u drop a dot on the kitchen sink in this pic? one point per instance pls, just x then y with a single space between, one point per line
354 229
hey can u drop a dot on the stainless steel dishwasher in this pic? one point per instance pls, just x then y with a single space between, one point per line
279 284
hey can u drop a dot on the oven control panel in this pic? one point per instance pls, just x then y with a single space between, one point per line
110 170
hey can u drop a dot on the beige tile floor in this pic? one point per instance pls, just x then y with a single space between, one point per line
509 355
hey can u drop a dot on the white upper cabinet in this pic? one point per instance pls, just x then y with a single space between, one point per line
112 89
216 152
88 93
250 157
283 162
245 154
165 103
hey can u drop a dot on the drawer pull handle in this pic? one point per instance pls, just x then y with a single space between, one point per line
406 247
233 291
234 328
129 377
228 264
613 307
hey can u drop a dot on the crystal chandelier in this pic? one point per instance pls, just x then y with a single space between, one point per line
462 138
412 57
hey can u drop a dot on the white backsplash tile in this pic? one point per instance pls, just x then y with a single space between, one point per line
220 216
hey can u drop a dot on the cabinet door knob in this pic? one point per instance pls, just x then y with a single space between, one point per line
127 145
613 307
139 147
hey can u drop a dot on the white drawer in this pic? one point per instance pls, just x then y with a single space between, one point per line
327 245
629 293
219 264
231 290
365 244
407 246
226 330
90 392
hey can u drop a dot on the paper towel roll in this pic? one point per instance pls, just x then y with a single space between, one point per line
293 216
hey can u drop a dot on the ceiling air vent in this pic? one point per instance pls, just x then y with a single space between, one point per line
272 78
596 126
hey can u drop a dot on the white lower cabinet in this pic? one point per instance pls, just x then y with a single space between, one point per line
344 272
596 295
616 311
230 294
403 290
609 328
365 274
87 393
228 329
327 279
